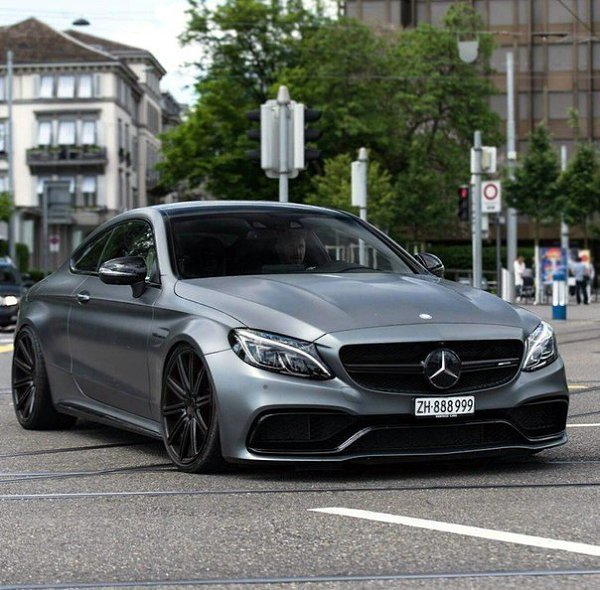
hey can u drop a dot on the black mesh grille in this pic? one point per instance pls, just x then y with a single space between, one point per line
398 367
443 438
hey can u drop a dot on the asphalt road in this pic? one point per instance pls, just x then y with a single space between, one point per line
98 508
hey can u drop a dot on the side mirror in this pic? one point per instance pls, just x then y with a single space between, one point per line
432 263
130 270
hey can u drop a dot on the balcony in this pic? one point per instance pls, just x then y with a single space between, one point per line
88 158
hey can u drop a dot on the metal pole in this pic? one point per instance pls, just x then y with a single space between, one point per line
477 270
9 148
45 229
498 257
564 228
283 100
511 156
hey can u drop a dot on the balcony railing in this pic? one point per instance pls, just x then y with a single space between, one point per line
67 156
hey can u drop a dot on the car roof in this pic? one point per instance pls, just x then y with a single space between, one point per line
190 207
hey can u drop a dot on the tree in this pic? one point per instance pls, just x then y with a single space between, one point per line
6 206
579 187
405 95
534 191
333 189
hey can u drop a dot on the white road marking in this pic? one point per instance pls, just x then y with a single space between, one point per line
470 531
583 425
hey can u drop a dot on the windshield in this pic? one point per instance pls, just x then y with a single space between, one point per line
7 277
240 243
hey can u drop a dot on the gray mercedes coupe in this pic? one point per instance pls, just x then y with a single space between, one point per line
252 331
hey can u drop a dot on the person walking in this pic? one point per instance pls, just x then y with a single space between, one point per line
580 271
519 269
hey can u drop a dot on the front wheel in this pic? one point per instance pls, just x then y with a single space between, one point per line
189 416
30 388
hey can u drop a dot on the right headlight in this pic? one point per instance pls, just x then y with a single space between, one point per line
540 348
277 353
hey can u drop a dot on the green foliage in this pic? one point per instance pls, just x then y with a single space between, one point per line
333 189
6 206
405 95
22 253
579 185
460 256
534 191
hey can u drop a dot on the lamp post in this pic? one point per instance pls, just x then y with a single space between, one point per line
468 51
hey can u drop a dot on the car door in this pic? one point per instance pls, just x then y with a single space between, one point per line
110 328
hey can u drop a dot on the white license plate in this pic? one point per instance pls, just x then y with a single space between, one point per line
445 407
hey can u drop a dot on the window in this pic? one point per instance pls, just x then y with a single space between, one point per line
3 138
88 190
44 133
46 86
88 133
85 86
2 88
120 132
3 184
66 87
87 259
66 133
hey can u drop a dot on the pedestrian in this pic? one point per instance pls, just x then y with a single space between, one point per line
519 269
581 272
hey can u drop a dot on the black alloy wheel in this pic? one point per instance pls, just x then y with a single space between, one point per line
189 417
30 388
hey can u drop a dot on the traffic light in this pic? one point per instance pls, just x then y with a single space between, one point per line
266 135
463 202
302 135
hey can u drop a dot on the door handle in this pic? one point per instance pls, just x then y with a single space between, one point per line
83 297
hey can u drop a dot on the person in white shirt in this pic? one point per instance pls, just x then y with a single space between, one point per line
519 269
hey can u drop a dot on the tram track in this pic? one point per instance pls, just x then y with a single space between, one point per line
315 579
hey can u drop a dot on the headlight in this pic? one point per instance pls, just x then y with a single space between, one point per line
540 348
279 353
9 300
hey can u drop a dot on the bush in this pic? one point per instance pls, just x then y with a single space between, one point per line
460 256
22 252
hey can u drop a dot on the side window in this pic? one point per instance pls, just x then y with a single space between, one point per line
87 260
134 238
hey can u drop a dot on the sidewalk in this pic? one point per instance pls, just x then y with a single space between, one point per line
578 316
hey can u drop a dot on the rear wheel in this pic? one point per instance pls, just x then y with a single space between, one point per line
30 387
189 417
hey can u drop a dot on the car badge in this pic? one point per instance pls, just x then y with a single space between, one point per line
425 316
442 368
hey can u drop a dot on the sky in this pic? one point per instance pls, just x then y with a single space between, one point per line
149 24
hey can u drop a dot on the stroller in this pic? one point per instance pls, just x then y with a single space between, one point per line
528 288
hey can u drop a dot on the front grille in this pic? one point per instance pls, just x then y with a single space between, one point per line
445 438
398 367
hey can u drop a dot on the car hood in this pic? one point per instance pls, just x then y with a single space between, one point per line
11 290
309 305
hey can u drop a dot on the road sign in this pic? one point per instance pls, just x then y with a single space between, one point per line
54 242
491 196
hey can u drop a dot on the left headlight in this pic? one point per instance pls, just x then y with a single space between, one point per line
280 354
540 348
9 300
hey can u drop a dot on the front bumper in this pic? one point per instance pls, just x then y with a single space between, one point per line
274 418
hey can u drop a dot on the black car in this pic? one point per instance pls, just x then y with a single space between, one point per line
11 290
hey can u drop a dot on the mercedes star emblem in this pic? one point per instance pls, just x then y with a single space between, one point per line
442 368
424 316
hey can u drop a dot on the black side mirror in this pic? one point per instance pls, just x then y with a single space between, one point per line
432 263
130 270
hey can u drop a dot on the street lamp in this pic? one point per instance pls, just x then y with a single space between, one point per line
467 51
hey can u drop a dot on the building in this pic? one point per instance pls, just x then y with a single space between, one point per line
556 45
86 115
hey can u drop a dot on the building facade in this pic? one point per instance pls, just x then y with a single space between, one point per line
556 48
86 117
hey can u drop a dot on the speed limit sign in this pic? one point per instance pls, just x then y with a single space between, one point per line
491 196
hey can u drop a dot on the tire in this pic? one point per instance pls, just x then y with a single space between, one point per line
30 388
189 418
